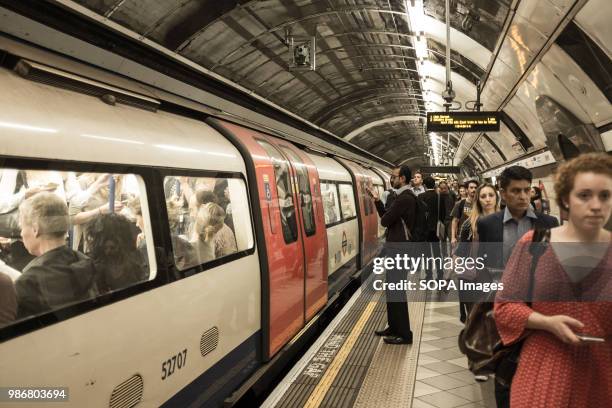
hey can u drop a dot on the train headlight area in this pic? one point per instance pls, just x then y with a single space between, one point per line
187 194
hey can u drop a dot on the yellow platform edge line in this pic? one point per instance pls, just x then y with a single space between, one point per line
323 386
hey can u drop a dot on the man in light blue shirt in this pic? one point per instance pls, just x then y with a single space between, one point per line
506 228
515 228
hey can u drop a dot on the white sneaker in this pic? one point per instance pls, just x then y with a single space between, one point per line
481 377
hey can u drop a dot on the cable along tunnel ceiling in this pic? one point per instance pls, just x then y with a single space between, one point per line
366 61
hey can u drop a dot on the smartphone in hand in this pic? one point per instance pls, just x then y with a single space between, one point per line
590 339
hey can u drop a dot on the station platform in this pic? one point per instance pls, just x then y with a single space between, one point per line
349 366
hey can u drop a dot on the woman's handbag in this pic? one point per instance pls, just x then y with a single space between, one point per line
467 248
480 340
470 272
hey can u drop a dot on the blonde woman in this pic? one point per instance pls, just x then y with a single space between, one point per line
487 202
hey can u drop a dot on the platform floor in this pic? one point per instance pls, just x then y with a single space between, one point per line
349 366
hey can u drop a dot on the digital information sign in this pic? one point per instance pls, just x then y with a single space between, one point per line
440 169
463 121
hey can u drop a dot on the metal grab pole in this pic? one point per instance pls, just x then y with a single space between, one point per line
449 84
111 193
448 149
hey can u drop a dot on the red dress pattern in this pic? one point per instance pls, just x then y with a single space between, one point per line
552 374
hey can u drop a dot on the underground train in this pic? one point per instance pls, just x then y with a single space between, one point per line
192 327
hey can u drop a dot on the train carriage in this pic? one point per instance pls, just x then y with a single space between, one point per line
182 325
197 322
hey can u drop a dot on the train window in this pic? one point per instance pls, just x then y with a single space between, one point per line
208 217
284 191
364 198
347 201
68 237
304 191
329 194
367 200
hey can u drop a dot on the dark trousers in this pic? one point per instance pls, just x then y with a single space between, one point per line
434 252
502 395
397 305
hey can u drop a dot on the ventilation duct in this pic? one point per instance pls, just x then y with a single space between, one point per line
66 80
128 393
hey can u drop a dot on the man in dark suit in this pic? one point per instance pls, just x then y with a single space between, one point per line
398 217
436 206
507 227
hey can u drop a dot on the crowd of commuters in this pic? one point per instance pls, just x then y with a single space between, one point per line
561 347
66 237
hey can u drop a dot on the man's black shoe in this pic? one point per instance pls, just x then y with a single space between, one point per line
384 332
397 340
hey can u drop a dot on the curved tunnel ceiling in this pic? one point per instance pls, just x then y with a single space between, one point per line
370 84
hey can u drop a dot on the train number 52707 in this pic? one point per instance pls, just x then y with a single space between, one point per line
172 364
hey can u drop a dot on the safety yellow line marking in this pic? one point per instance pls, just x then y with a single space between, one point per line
323 386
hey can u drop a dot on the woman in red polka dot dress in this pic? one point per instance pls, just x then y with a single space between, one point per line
572 296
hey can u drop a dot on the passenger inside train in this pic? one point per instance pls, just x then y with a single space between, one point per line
102 235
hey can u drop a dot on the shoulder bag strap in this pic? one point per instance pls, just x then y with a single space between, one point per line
541 236
407 233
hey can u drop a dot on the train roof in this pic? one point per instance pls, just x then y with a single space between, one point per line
42 121
330 169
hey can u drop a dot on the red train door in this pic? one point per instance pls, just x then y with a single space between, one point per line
278 234
314 237
285 248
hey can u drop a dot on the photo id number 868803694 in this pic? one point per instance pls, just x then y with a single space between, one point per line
174 363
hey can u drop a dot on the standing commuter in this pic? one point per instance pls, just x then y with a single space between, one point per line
389 195
461 194
455 187
536 198
436 205
462 210
486 203
445 189
449 200
399 219
506 227
417 184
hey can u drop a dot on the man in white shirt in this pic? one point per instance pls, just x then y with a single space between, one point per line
417 184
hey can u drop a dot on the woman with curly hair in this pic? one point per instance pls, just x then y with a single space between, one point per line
570 297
